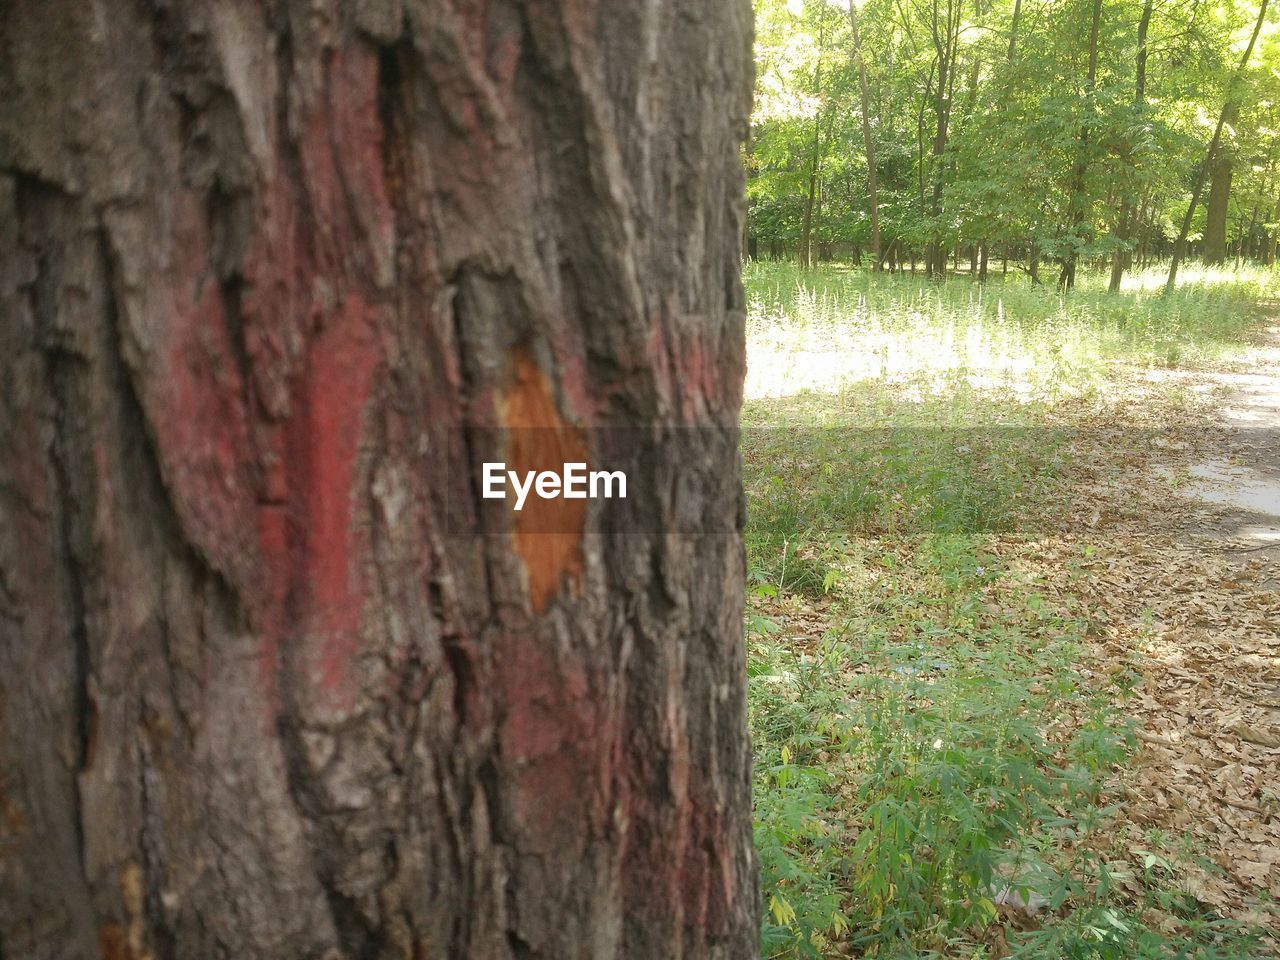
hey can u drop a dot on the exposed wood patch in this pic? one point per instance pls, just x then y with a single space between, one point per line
548 532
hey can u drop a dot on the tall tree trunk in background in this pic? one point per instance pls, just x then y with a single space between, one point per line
920 154
945 51
971 98
867 145
1014 20
1077 201
1013 30
1244 247
1179 246
815 168
1272 238
745 231
274 279
1218 200
1122 255
806 222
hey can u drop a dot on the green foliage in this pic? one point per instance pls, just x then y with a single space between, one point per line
1025 153
903 780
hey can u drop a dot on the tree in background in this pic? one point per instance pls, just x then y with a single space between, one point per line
273 278
1068 132
1229 110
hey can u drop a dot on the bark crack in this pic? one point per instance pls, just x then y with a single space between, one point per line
84 707
37 202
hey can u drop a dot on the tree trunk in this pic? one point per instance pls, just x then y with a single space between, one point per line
748 242
275 279
1013 31
1129 220
1272 237
1211 154
1216 204
1245 245
806 222
807 258
868 147
945 52
1077 201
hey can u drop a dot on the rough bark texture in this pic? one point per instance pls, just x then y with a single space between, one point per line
263 267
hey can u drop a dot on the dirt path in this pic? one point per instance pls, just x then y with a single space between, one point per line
1200 617
1244 481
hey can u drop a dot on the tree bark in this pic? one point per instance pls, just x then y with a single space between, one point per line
273 278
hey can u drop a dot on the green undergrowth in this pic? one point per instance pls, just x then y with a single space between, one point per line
932 748
1006 327
884 461
933 752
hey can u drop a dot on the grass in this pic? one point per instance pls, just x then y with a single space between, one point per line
836 325
932 750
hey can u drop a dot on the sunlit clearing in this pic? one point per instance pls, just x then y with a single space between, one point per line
826 329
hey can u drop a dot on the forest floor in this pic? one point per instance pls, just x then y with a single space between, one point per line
1014 620
1208 611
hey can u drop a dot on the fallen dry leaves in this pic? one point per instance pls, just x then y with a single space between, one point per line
1172 601
1198 619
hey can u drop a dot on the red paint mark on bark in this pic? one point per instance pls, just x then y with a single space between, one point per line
323 445
550 740
323 254
676 866
341 148
698 373
691 374
548 533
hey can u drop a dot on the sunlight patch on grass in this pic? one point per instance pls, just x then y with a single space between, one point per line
824 329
